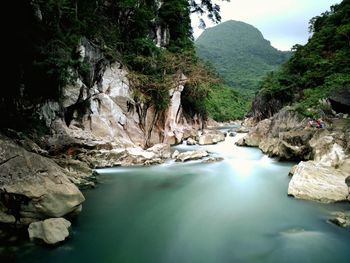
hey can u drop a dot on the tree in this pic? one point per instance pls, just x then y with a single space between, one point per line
319 68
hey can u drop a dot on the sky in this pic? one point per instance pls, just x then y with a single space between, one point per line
283 22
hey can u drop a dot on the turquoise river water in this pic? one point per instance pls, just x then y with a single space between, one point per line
236 210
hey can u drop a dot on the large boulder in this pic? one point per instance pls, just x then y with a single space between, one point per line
283 135
329 148
313 181
33 186
51 231
191 155
291 145
325 178
256 134
210 137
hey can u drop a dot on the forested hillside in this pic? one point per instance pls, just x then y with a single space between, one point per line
317 71
239 53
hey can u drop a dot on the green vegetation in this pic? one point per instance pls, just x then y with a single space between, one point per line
239 53
47 34
224 103
315 71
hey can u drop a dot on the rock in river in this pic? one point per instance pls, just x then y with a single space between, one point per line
190 155
312 181
341 219
211 137
51 231
33 186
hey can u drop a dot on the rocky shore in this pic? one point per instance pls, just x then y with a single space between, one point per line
37 187
91 125
323 171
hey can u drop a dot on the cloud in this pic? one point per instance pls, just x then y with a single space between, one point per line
283 22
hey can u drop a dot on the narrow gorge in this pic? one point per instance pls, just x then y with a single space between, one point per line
119 144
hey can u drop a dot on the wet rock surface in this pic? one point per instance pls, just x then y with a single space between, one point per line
208 137
341 219
325 154
191 155
313 181
51 231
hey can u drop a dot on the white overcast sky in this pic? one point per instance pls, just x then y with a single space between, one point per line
283 22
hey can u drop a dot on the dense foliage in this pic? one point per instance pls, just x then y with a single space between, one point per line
239 53
224 103
315 71
47 34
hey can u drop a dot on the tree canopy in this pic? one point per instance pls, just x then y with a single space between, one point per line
239 53
315 70
47 33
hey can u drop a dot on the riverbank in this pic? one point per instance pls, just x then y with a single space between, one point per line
36 186
283 136
323 154
199 212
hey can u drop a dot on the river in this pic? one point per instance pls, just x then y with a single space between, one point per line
236 210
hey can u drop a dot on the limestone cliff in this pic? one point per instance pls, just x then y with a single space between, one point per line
97 121
103 109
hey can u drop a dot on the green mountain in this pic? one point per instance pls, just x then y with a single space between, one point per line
240 54
316 72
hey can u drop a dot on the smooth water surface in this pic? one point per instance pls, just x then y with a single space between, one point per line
236 210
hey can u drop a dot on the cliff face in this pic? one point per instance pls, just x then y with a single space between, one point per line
71 106
82 44
102 108
97 121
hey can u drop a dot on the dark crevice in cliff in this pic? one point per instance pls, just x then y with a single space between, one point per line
339 107
80 108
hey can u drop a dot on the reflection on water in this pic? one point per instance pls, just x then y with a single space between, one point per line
236 210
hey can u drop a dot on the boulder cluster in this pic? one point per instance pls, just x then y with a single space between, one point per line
323 171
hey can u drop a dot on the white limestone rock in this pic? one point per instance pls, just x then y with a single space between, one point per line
211 137
191 155
115 81
51 231
313 181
